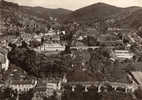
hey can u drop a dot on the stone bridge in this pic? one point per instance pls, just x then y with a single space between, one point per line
100 85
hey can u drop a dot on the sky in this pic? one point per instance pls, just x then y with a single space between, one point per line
75 4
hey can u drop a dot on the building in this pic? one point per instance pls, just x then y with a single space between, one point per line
122 54
47 88
37 38
15 73
40 88
22 86
3 58
51 32
50 47
51 88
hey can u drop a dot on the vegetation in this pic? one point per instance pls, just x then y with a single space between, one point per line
7 94
18 19
36 64
95 63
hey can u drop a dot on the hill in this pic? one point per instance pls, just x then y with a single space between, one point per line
15 18
45 12
92 13
115 15
134 20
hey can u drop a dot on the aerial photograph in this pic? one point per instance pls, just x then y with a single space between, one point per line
70 49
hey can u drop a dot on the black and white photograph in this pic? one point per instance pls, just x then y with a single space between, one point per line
70 49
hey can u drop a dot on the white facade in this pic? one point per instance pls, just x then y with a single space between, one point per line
37 38
51 87
23 86
5 65
123 54
3 59
50 47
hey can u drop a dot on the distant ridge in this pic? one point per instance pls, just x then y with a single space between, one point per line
134 20
94 12
45 12
130 16
16 16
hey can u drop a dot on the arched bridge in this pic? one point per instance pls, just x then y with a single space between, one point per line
100 85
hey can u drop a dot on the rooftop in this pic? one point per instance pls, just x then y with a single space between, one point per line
83 76
137 75
24 82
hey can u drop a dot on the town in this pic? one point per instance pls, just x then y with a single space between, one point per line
46 59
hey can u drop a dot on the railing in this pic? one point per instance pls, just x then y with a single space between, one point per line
97 83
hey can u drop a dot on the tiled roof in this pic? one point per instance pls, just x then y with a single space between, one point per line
24 82
82 76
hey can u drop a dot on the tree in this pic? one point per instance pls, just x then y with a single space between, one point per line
8 94
36 64
70 29
101 25
99 59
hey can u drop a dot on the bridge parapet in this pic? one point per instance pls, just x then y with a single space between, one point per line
100 85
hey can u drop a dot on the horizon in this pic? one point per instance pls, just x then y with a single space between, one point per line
74 6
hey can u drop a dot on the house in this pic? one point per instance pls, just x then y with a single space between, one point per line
40 89
3 58
47 87
22 86
122 54
54 86
109 40
3 43
37 37
51 88
26 37
56 38
80 38
51 32
15 73
50 47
